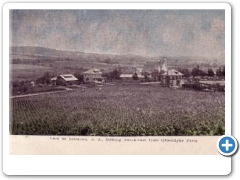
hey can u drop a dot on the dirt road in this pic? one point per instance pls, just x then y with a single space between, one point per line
42 93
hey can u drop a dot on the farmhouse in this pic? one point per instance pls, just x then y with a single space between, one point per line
172 78
66 79
93 75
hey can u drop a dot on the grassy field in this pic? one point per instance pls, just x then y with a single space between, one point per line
120 110
20 72
26 66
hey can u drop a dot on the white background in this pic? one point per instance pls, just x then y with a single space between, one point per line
235 117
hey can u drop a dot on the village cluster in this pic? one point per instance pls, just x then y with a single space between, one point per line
94 75
151 73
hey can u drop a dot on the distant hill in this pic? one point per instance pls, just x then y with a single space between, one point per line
33 51
41 53
28 54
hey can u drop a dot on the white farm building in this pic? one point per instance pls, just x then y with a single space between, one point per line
93 75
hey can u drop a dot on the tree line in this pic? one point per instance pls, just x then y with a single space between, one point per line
220 72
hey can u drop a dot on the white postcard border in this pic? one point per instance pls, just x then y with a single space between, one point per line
124 164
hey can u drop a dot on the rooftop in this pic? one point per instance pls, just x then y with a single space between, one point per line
126 75
222 83
172 72
54 79
130 76
68 77
93 71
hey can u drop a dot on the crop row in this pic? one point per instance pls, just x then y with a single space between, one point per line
124 110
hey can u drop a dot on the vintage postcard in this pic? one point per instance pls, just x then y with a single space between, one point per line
96 80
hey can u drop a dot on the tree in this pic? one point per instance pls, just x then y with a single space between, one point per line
115 74
198 72
79 76
218 72
160 75
155 74
210 72
195 72
221 71
45 79
186 72
201 73
106 75
135 76
146 76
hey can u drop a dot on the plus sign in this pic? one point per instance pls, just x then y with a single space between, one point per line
227 145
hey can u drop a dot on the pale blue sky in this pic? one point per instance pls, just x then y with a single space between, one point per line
142 32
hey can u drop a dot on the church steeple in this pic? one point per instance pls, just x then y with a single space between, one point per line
164 66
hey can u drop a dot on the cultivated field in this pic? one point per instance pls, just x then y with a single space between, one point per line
120 110
26 66
20 72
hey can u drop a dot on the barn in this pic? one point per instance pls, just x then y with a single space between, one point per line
129 77
66 79
126 77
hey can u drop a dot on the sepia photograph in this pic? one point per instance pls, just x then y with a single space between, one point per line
117 73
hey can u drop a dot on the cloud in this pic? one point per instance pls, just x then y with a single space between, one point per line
209 43
143 32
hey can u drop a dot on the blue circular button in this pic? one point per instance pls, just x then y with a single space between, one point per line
227 145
